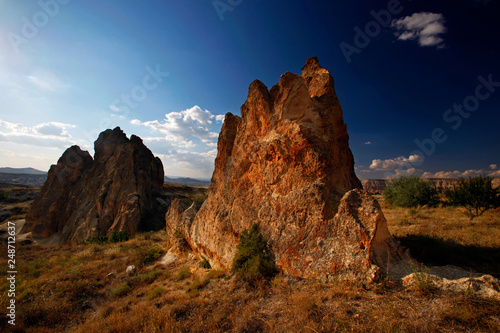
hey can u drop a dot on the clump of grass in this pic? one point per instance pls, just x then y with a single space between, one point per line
120 290
149 277
195 287
423 280
253 261
204 263
151 255
183 274
112 252
155 292
215 274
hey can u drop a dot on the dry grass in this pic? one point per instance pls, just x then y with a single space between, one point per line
444 235
86 289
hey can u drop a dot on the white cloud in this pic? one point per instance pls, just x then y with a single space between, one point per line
220 118
189 164
424 26
50 135
493 166
405 172
368 143
462 174
395 163
163 140
53 128
182 126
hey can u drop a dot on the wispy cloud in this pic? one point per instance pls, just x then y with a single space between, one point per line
46 80
425 27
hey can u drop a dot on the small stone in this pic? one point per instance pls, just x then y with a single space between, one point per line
130 269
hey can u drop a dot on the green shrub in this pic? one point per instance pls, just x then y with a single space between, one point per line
120 236
99 239
150 256
155 292
253 260
183 273
204 263
194 288
120 290
149 277
475 194
410 191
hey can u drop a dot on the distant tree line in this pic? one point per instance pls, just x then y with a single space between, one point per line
475 195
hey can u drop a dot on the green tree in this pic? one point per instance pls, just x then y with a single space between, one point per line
475 194
410 191
253 260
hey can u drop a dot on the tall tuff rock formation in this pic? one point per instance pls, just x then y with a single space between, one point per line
120 189
286 165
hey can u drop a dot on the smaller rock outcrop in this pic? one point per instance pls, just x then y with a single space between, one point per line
121 189
453 279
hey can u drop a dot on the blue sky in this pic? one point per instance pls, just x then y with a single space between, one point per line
419 81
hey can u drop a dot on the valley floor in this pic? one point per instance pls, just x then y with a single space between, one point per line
87 289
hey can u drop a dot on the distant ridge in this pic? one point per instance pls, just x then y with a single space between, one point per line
187 182
26 171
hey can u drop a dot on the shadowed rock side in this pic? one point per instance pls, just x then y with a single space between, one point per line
286 165
121 189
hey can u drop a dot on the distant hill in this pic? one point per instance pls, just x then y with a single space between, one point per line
36 178
22 179
26 171
186 181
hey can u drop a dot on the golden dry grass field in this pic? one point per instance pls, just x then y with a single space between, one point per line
86 288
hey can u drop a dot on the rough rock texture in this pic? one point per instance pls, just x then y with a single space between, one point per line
120 189
286 165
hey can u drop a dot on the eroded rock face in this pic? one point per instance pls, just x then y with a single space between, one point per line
120 189
286 165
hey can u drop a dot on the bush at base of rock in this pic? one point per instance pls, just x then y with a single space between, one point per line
253 261
120 236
